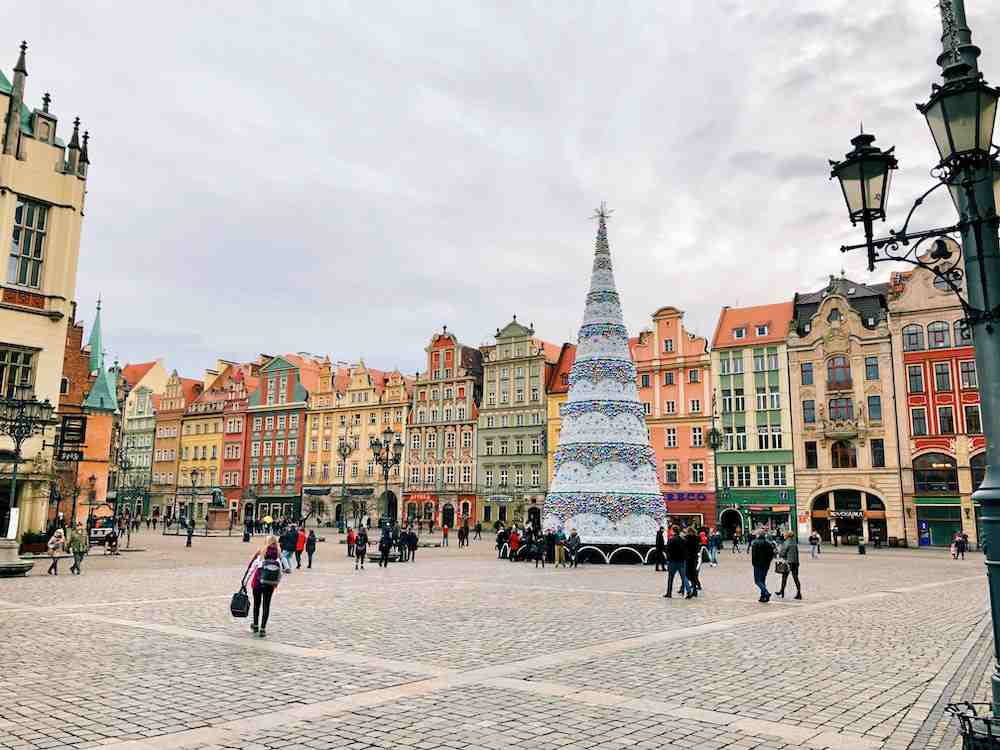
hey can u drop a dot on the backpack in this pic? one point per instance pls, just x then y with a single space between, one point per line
270 572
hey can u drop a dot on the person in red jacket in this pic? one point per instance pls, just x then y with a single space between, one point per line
300 544
515 544
351 537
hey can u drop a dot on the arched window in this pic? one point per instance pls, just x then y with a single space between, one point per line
935 472
938 335
822 502
838 372
873 502
834 315
978 465
913 338
843 455
963 334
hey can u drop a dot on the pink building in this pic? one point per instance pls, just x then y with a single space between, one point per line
674 379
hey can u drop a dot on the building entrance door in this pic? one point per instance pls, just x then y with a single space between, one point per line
730 522
535 517
448 515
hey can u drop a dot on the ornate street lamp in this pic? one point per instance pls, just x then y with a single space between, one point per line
22 416
194 481
91 500
387 453
344 449
961 115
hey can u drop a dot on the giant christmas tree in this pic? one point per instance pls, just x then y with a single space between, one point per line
605 470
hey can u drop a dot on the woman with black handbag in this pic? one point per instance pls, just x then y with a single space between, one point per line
266 576
788 563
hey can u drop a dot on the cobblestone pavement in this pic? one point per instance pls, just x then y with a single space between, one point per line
460 650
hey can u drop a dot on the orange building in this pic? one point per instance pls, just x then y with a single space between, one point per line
674 370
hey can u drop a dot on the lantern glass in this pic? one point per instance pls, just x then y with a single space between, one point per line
961 119
995 174
865 176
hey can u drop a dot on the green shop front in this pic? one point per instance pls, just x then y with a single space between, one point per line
938 520
745 510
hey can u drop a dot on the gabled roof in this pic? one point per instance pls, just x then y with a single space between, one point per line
102 396
132 374
869 301
776 317
558 381
191 388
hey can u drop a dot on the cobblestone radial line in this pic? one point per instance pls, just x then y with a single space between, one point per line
232 731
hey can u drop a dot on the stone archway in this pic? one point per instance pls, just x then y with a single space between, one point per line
730 523
448 515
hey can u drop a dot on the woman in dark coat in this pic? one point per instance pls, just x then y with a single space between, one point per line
310 547
692 550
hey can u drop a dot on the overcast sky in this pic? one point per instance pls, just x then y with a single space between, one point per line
345 178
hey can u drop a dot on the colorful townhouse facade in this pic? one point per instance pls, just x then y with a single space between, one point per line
674 379
200 461
41 213
751 412
841 360
277 413
943 449
556 393
352 406
236 381
512 438
142 385
178 394
441 480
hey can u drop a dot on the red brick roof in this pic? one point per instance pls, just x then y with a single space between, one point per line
777 317
558 381
134 373
192 388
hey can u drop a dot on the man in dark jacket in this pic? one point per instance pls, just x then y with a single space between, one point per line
676 558
761 555
659 548
692 551
288 540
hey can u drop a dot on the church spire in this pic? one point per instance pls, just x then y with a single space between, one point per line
96 342
102 395
12 134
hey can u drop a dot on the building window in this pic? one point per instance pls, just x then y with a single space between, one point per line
915 378
963 334
668 345
467 439
647 408
812 456
742 476
806 373
671 434
449 440
758 361
763 475
763 438
935 472
843 455
942 376
871 368
694 376
739 400
488 479
875 408
973 422
503 477
695 406
838 372
27 247
762 330
16 368
913 338
739 333
809 411
946 420
761 398
518 446
728 476
773 397
918 422
938 335
671 407
776 436
415 474
697 472
967 374
841 409
670 472
727 401
644 380
697 437
779 475
878 453
466 474
668 378
415 440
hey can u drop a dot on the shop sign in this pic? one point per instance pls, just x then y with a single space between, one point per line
686 497
356 491
847 514
420 497
74 429
499 499
316 490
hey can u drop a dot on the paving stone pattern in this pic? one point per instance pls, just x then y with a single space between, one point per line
460 650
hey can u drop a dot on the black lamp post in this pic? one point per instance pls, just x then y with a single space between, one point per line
344 449
194 481
387 454
22 416
91 500
961 114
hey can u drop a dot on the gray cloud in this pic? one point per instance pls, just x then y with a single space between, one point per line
346 178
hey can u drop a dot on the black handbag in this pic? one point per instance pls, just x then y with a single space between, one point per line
239 605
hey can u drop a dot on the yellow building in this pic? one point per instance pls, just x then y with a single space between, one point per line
354 405
201 451
41 210
556 392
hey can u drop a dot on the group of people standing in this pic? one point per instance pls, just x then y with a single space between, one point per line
526 544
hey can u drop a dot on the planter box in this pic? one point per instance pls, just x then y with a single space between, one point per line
33 548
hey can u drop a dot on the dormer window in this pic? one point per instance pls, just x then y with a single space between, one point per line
739 333
762 330
833 316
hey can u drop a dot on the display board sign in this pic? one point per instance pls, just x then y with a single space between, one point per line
847 514
74 429
69 454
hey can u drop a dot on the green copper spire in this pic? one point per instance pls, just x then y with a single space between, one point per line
96 342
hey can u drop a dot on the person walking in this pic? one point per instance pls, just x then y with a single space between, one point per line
411 542
834 532
676 553
190 531
384 548
761 555
514 545
310 547
814 549
300 545
351 536
360 548
479 531
55 547
404 545
266 576
789 553
692 554
659 548
573 548
560 548
289 538
714 546
444 535
77 545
